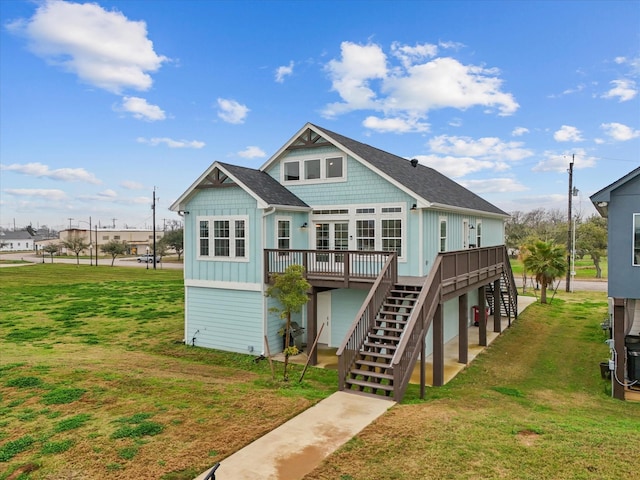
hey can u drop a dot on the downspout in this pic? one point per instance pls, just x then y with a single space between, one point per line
265 214
182 213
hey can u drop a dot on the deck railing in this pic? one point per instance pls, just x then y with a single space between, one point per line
357 334
337 265
452 274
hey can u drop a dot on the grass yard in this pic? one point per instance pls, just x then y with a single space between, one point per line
96 383
532 406
584 268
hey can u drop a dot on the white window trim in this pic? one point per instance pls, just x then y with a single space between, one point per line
635 224
323 169
446 234
232 238
352 216
277 233
478 230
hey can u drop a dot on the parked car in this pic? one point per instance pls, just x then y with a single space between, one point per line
148 258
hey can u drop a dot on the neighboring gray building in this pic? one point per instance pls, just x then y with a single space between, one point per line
620 203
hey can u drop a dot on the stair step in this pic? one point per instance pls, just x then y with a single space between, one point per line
372 385
370 373
365 354
372 364
386 328
387 338
402 314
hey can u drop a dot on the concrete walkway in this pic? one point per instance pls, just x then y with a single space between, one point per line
298 446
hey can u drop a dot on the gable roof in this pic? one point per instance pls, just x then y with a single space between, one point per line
434 188
602 198
260 185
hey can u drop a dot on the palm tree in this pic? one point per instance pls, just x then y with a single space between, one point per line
546 261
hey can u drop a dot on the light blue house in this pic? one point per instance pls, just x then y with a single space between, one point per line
396 253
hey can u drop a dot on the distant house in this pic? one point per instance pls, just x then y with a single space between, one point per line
620 203
397 255
17 241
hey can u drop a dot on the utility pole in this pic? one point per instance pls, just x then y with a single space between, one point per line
569 226
153 207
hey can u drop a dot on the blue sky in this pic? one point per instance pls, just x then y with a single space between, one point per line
101 102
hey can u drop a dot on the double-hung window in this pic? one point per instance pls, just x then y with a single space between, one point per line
443 234
222 238
284 234
365 234
479 234
392 236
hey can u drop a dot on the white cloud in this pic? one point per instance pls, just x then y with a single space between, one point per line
232 111
103 48
454 166
284 71
619 131
366 79
62 174
559 162
169 142
486 148
623 90
142 110
519 131
351 76
396 125
568 133
108 194
131 185
410 55
252 152
494 185
49 194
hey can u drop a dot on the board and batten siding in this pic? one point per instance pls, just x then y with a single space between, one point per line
230 201
624 277
229 320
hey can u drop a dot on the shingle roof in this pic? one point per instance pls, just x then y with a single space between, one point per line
424 181
264 186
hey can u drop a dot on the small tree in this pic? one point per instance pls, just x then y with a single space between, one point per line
592 240
76 245
290 289
174 239
546 261
114 248
51 249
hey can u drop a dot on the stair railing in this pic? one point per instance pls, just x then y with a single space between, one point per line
512 289
415 330
365 319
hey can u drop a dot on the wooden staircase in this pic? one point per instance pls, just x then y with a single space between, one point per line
371 372
508 307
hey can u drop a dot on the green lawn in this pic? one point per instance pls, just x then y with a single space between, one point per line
95 382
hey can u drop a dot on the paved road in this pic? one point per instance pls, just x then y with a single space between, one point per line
594 285
120 262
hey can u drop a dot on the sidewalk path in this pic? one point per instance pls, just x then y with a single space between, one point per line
298 446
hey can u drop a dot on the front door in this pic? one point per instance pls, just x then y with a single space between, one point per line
324 317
